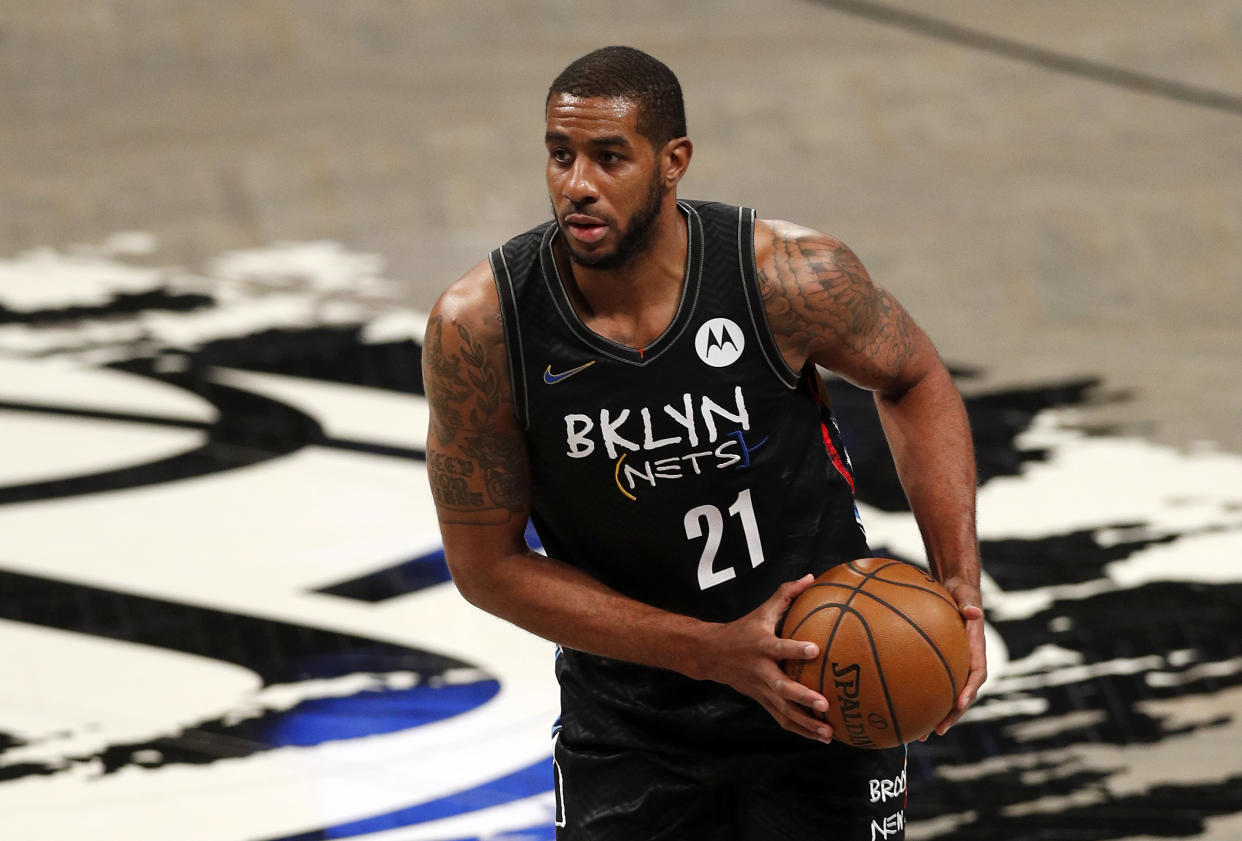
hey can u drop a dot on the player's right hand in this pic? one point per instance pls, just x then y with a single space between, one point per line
746 654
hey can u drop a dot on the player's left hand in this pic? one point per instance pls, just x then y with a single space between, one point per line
970 604
746 654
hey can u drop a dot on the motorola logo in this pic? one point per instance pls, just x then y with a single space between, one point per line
719 342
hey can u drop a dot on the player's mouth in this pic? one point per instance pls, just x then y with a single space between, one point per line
583 228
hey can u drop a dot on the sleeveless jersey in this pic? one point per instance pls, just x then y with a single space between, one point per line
696 474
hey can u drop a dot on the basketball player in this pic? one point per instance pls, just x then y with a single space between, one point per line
637 376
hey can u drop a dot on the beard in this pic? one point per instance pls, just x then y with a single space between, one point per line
632 239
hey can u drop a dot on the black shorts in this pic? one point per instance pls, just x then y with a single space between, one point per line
829 792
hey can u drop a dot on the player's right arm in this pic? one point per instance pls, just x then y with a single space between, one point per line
479 469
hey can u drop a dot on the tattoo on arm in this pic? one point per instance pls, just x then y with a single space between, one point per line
445 386
818 297
478 469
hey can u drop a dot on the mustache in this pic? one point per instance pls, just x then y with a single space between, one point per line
585 208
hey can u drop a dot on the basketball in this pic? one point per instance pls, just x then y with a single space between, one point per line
893 650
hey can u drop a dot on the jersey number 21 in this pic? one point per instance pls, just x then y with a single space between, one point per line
710 515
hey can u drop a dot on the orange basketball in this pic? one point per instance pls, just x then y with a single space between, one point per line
893 650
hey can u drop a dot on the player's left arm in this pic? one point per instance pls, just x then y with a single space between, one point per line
823 308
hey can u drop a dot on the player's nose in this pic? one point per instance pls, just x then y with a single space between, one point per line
579 187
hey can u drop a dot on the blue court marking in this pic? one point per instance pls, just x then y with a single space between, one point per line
530 833
409 576
363 714
406 577
371 713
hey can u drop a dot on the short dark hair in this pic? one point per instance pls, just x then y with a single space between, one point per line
630 74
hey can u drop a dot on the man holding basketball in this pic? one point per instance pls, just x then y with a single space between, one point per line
637 376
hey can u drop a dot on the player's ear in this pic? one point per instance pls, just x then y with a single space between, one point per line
676 160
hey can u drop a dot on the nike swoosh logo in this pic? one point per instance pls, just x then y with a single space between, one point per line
553 379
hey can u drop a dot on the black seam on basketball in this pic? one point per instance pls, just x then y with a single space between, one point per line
853 592
826 645
811 613
844 607
883 683
780 627
879 672
875 656
823 653
911 586
875 572
874 575
939 656
838 585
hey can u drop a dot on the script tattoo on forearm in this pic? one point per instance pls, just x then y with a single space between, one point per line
474 466
820 294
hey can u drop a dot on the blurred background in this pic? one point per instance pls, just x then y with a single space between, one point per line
222 603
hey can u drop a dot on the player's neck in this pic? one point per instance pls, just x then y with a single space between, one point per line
640 296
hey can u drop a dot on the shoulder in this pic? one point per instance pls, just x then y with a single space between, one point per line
471 304
799 265
813 286
822 305
464 326
471 297
790 249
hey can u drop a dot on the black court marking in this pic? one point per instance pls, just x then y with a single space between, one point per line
251 428
125 303
374 449
102 414
278 652
1071 65
406 577
997 420
983 794
334 354
419 573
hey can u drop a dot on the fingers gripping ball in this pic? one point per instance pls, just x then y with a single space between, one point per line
893 650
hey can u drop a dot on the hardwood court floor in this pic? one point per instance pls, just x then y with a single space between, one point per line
222 602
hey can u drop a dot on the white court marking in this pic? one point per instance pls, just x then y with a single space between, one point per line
258 540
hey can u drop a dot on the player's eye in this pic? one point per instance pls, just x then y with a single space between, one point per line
561 156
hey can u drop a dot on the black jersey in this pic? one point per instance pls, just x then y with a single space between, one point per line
696 474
